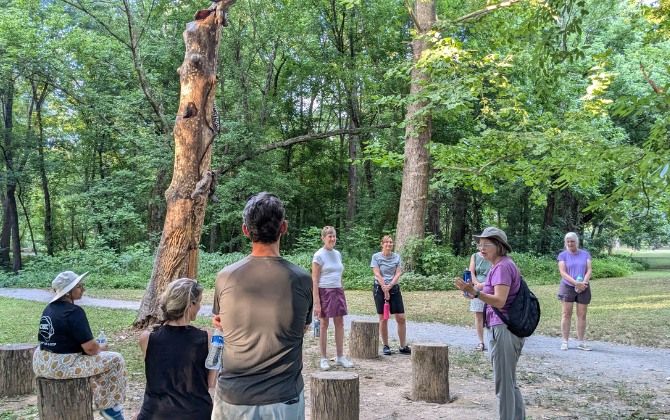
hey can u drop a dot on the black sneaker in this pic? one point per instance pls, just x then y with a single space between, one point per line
386 351
405 350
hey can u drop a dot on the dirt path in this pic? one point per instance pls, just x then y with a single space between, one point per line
613 380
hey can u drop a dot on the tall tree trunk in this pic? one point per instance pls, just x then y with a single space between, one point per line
459 221
39 97
547 223
194 133
9 237
413 196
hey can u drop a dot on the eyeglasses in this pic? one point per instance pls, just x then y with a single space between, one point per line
485 245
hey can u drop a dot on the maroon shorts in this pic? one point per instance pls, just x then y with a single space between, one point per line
333 302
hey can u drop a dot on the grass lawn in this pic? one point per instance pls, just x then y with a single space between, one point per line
656 259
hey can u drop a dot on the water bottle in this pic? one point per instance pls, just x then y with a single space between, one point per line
213 361
316 327
579 279
102 338
467 277
387 309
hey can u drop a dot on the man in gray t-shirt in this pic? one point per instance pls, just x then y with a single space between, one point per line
263 306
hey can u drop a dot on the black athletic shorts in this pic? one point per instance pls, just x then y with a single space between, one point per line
397 306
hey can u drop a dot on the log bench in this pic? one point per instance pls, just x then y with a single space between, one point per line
364 340
430 372
64 399
16 369
334 396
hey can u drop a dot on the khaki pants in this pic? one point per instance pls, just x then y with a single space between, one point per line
289 410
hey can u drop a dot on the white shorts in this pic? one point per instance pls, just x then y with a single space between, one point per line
476 305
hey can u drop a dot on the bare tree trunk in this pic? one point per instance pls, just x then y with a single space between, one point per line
195 130
414 193
547 223
39 98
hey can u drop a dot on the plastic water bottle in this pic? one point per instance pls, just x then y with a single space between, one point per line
316 327
467 277
387 309
579 279
102 338
213 361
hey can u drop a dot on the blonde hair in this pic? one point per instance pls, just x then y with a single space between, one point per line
178 297
385 238
327 230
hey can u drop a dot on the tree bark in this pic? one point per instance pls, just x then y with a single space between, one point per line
39 97
459 222
194 133
364 340
335 396
547 223
64 399
430 372
16 369
414 193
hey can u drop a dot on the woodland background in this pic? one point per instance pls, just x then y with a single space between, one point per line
543 117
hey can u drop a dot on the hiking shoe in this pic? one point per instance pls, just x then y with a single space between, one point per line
405 350
344 362
112 413
564 345
583 346
387 351
480 347
324 364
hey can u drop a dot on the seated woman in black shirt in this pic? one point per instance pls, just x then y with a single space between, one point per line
67 348
174 358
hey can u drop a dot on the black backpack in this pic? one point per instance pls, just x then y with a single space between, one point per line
523 315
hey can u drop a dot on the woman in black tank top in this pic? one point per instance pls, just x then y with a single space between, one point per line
174 358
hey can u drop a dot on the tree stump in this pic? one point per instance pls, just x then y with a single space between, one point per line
364 339
16 369
64 399
334 396
430 372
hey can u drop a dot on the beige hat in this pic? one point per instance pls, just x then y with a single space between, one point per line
494 232
64 282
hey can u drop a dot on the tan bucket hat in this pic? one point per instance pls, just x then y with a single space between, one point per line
494 232
64 282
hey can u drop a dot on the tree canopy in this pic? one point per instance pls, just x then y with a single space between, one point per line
547 116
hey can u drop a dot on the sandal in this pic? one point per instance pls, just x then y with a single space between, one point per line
480 347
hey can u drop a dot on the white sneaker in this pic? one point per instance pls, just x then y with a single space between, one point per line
344 362
564 345
324 364
583 346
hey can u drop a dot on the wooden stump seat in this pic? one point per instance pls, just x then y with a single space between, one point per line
64 399
430 372
334 396
16 369
364 340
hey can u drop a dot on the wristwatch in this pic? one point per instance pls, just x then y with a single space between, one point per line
476 293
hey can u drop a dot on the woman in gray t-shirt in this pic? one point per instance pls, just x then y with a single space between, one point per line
387 268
